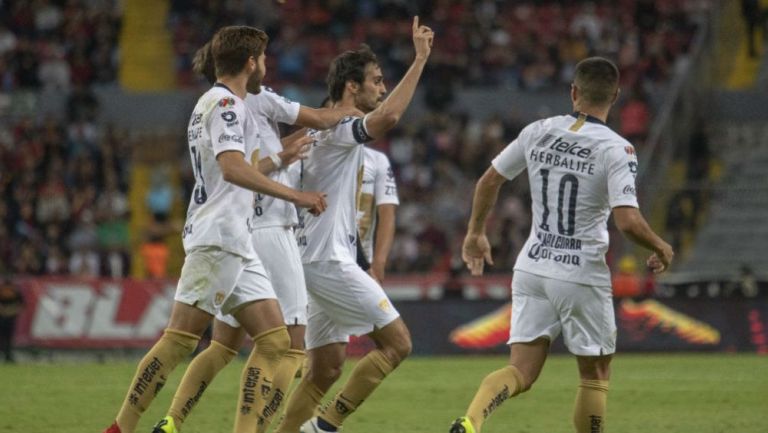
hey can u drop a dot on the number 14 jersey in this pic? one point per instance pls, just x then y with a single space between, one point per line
578 169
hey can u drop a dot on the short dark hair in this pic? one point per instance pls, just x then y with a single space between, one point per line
348 66
203 64
597 79
232 46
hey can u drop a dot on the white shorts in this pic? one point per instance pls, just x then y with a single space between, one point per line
279 253
343 300
219 282
543 307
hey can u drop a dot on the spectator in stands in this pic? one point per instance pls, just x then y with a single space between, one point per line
11 304
627 283
155 254
750 10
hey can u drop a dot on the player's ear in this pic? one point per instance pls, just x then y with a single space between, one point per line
353 86
574 92
616 96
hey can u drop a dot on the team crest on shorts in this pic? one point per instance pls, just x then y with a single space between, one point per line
219 298
384 305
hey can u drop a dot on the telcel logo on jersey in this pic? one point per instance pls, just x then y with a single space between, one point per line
574 149
539 252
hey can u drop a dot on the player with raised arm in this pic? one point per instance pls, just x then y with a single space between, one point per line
344 299
221 272
579 171
376 212
273 240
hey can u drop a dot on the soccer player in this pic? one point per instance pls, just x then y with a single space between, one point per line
344 299
376 211
580 171
272 225
221 272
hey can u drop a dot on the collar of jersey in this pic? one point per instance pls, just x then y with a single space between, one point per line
224 87
592 119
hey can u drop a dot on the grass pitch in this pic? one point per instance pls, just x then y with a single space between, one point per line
706 393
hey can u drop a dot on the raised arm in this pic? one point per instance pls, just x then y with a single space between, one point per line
386 115
631 222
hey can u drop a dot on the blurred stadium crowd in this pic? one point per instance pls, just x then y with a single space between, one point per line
64 185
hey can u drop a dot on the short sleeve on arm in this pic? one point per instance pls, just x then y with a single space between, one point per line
621 167
226 125
511 161
279 108
384 187
350 132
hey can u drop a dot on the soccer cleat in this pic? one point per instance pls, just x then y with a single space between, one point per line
462 425
165 425
114 428
312 426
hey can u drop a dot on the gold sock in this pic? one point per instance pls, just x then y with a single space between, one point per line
198 376
366 376
300 406
258 374
286 372
151 374
589 411
494 390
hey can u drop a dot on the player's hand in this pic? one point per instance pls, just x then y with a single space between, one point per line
476 252
377 272
422 39
314 201
295 150
659 261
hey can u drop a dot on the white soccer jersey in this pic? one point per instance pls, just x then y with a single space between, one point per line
378 188
579 169
219 212
334 166
269 109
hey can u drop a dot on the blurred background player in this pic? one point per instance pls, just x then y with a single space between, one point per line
344 300
579 171
11 303
377 211
273 240
221 270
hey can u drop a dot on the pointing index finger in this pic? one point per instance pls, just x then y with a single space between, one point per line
415 23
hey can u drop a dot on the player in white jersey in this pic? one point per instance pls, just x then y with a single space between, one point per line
580 172
272 221
216 239
376 211
344 299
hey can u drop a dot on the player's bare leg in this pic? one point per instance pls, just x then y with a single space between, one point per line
393 345
263 321
525 363
179 340
589 410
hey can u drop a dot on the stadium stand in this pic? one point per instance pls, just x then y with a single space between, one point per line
59 168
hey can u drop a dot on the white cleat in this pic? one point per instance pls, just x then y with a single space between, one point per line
311 427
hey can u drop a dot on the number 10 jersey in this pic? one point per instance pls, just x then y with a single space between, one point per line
578 169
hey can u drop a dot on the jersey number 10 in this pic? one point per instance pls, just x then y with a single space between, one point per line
566 224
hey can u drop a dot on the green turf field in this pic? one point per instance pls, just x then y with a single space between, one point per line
649 394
